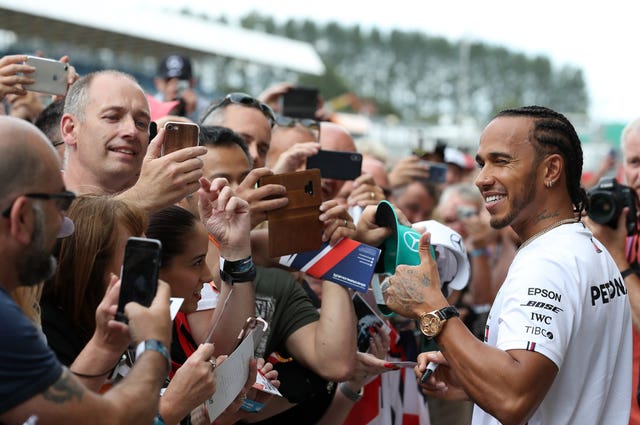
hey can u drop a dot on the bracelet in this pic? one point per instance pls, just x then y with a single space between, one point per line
237 271
154 345
626 272
478 252
349 393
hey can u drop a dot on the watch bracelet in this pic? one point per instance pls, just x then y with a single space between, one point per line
153 345
346 390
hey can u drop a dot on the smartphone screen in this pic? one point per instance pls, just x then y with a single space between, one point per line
139 275
300 102
336 165
179 135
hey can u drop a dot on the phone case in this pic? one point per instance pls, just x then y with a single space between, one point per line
50 76
337 165
296 227
179 135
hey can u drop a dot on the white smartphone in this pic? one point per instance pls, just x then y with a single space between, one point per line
50 76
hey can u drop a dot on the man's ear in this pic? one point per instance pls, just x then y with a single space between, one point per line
68 129
22 220
554 167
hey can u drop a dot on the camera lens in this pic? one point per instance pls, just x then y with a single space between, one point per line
601 208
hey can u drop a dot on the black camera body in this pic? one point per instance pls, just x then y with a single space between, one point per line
607 200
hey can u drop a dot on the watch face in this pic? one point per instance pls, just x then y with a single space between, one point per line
430 325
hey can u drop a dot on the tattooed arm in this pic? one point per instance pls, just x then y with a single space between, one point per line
132 401
507 384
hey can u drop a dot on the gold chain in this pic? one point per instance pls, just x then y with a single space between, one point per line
545 230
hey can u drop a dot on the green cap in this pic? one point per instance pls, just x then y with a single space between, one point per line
399 248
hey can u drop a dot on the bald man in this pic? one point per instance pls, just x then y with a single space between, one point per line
35 386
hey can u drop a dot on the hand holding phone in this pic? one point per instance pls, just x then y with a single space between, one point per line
437 171
139 275
179 135
50 76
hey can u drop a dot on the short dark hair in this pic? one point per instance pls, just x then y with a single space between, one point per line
554 133
219 136
48 121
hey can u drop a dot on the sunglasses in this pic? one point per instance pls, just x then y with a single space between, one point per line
312 125
63 200
245 100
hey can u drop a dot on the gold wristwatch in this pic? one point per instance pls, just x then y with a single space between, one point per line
431 324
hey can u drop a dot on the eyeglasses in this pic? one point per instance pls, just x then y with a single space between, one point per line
63 200
312 125
246 100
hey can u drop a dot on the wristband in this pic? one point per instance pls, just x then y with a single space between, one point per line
237 271
626 272
155 345
478 252
349 393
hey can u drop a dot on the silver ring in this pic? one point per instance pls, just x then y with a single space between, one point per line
213 364
346 223
372 195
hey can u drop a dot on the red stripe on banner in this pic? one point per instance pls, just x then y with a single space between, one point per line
333 257
409 419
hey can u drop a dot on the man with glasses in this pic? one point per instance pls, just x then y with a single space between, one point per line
246 116
34 387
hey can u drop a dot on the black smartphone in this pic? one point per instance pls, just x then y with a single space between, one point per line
300 102
179 135
139 274
336 165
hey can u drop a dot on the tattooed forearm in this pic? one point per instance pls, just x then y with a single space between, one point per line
64 389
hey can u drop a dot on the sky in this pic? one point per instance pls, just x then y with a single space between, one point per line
595 36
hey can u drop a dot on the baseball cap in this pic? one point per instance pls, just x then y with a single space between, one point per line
175 66
459 158
399 248
453 264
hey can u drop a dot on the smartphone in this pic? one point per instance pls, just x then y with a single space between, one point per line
295 227
179 135
139 274
50 76
300 102
336 165
437 171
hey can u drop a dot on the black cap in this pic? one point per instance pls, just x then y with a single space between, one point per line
175 66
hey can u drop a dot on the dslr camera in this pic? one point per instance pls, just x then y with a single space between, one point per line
607 200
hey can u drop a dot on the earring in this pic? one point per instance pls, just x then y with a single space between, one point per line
549 184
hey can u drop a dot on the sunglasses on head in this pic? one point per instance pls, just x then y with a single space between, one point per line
246 100
63 200
312 125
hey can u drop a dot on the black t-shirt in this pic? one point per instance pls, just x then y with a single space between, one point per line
27 366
